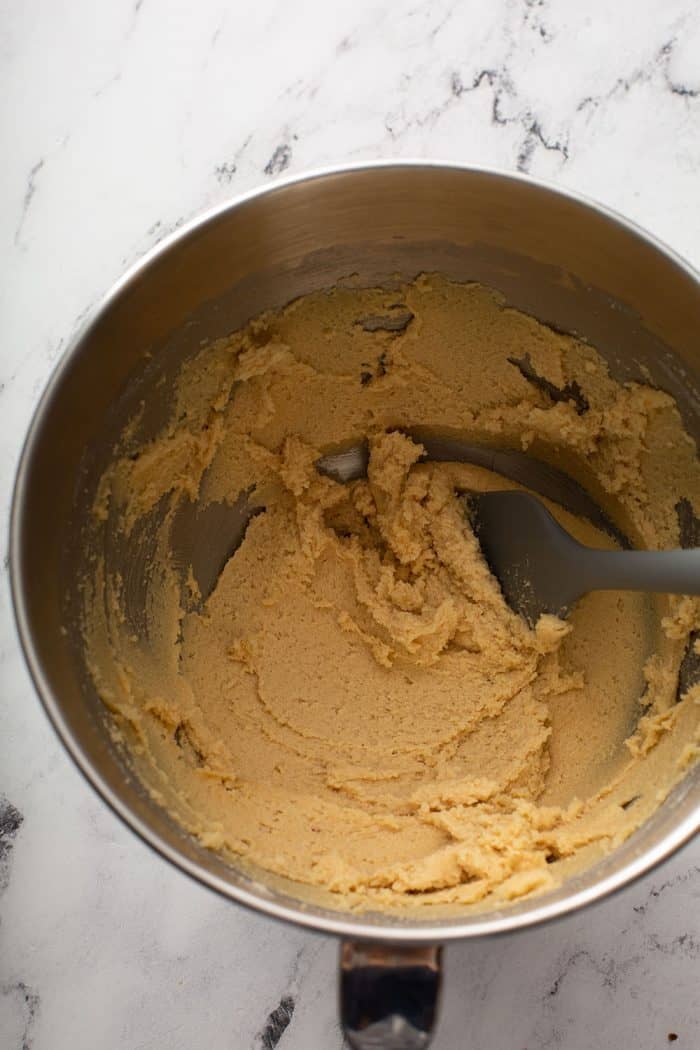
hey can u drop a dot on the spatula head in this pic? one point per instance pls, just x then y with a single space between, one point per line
531 555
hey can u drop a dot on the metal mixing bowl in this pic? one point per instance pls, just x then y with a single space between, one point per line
567 261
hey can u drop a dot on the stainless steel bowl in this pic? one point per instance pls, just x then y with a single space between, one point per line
565 260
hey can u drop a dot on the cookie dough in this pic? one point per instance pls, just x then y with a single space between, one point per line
348 702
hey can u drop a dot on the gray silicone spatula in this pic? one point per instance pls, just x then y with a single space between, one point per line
542 569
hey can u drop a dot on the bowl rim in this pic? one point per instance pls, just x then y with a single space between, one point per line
382 926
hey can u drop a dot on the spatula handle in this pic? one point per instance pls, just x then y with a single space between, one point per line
661 572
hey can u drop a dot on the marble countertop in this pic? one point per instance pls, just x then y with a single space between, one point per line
122 119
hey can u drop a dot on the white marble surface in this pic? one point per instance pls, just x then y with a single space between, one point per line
120 119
